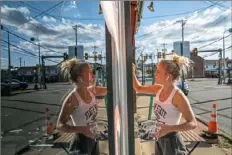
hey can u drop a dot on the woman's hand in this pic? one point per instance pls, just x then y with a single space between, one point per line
164 129
133 68
86 130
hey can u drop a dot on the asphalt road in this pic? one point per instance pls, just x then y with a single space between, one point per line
23 116
205 92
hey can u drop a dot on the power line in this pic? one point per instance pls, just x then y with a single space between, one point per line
20 52
213 42
207 55
213 25
221 6
33 42
32 54
175 21
65 17
42 13
19 48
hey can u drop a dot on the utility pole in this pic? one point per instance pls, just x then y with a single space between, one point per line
75 28
142 70
9 63
182 48
24 63
157 56
220 66
20 62
164 49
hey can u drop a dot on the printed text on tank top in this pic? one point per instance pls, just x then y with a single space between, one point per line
165 112
86 111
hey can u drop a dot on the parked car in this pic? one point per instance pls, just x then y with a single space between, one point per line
186 88
14 85
23 85
5 88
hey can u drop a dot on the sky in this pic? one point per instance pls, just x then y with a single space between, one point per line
51 23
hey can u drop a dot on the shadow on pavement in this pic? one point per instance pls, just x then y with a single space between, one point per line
201 102
32 102
39 112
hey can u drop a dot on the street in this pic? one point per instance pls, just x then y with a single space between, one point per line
23 115
203 93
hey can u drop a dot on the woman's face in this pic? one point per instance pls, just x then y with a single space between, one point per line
161 76
87 76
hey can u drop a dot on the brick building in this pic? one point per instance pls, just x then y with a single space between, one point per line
198 66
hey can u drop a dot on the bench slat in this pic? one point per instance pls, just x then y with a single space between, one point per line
185 137
190 136
64 137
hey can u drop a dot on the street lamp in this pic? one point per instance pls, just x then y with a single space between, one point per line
100 9
9 58
151 7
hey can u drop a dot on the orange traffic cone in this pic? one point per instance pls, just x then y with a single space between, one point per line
213 127
48 128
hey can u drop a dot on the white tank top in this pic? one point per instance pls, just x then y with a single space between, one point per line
84 113
165 112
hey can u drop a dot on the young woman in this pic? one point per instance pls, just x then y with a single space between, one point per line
80 105
170 105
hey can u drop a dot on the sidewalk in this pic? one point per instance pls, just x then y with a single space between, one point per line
145 148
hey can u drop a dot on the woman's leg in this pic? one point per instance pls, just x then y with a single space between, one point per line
172 144
88 146
74 144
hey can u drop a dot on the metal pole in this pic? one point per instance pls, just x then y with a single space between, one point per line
142 71
9 63
75 28
20 61
110 91
182 48
39 67
129 60
219 70
224 58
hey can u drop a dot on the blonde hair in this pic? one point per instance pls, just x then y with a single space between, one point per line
73 68
177 65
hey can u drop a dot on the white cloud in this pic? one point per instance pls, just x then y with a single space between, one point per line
13 16
200 29
48 19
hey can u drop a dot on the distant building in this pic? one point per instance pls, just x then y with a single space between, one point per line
198 69
80 52
186 48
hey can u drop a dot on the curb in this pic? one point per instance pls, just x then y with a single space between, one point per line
222 133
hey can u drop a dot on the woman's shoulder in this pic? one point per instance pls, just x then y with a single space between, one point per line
71 99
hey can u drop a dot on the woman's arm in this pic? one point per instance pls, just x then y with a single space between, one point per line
64 116
182 103
98 91
152 89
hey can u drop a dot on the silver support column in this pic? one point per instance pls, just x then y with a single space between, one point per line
119 83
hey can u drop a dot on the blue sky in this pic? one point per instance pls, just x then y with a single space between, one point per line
55 32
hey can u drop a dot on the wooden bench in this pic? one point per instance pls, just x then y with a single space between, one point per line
192 137
63 139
